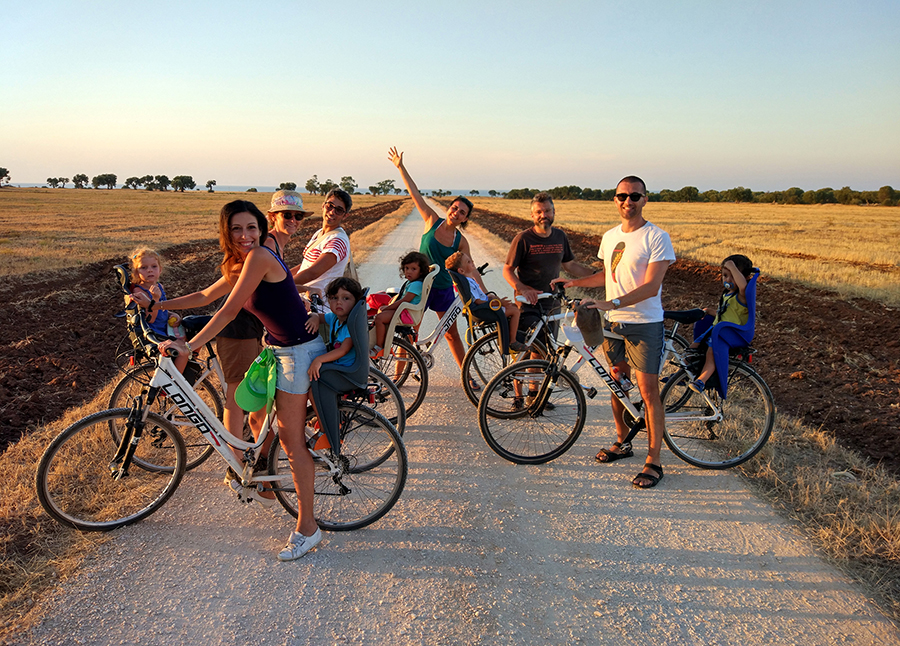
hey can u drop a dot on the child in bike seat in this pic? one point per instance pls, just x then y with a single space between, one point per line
732 308
342 294
413 267
461 263
146 268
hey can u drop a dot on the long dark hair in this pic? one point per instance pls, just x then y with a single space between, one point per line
233 260
467 202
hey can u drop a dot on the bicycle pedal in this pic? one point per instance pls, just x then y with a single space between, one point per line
591 392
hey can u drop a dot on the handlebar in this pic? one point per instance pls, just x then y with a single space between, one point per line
483 269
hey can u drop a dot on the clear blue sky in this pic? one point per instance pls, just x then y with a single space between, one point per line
481 94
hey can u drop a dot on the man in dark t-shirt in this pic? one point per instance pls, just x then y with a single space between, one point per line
536 256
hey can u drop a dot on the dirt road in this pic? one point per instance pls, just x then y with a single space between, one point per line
477 551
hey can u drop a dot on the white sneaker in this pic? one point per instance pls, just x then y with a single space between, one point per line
298 545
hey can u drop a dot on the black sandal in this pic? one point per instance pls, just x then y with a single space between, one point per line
606 456
653 480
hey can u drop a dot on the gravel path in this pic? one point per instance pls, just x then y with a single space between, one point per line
477 551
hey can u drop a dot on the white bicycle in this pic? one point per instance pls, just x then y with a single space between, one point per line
88 481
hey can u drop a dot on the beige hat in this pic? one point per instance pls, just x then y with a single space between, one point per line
287 201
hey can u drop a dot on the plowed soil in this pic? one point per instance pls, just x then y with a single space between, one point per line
830 361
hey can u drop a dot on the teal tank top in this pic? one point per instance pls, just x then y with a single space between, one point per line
438 254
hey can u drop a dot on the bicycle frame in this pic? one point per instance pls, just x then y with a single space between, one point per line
569 317
169 380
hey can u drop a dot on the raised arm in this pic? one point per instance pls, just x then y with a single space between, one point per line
426 211
740 281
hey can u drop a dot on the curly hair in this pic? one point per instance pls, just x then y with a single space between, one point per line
345 283
416 258
135 259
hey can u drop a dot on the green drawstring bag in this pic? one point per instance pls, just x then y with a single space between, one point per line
257 388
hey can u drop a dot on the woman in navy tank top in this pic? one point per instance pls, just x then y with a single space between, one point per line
255 278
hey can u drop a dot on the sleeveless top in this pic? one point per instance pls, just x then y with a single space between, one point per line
438 254
281 310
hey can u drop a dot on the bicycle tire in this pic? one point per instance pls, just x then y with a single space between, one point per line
385 397
409 373
131 385
527 435
373 469
748 419
484 359
74 483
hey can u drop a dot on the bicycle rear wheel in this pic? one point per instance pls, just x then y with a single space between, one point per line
484 359
406 367
131 385
531 429
748 415
372 468
74 482
384 397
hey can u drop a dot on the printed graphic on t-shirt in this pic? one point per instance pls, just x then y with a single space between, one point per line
617 254
545 248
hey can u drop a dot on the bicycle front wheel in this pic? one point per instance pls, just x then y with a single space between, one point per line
131 385
369 478
74 482
528 416
484 359
748 415
406 367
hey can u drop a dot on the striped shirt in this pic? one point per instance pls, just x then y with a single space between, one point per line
335 242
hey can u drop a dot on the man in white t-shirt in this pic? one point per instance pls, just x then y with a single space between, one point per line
635 255
328 251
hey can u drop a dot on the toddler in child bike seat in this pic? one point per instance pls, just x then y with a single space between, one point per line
146 268
461 263
732 308
342 294
413 267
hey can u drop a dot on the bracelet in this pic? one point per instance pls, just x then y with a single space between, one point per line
187 344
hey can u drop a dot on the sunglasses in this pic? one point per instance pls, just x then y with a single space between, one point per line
624 196
290 215
334 208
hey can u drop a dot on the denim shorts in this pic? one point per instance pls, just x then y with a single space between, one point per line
293 365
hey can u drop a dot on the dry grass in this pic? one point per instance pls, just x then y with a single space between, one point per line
848 249
43 229
35 552
848 507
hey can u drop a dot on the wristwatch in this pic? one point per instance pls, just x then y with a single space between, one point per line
616 303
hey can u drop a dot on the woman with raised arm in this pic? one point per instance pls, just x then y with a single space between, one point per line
440 240
255 277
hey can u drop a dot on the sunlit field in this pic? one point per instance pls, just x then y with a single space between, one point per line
56 228
851 249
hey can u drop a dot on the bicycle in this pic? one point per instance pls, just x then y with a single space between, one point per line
88 482
208 380
409 357
484 358
701 429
